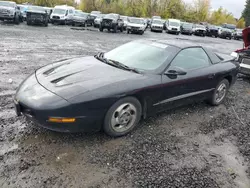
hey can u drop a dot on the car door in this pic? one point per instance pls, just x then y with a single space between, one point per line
190 76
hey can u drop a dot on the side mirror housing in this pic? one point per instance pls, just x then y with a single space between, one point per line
175 71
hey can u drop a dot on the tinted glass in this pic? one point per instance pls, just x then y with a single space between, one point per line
59 11
191 58
145 56
136 20
36 8
7 4
157 22
175 24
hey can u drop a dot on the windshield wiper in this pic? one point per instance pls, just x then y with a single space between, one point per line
125 67
100 56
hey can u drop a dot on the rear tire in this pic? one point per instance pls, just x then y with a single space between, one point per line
115 29
122 117
220 93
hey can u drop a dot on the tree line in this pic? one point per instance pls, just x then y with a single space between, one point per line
197 11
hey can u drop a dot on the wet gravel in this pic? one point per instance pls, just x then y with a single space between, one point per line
193 146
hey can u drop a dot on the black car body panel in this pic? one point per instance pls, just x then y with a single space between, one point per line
37 17
186 29
111 21
85 88
225 33
212 31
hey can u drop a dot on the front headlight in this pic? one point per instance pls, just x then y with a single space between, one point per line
128 27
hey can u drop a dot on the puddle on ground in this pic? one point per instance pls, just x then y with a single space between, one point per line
233 162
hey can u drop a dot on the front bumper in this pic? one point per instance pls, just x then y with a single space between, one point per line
157 28
38 104
186 32
244 69
135 30
6 16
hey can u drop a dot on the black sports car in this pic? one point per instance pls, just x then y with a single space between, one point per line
113 90
37 15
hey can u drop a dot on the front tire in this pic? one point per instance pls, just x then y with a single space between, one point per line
220 93
122 117
101 29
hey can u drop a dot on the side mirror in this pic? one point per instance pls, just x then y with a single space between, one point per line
175 71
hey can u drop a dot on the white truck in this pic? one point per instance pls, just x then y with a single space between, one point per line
173 26
62 14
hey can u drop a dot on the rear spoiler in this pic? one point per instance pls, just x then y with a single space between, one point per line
226 57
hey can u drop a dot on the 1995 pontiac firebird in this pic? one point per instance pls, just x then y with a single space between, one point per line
112 91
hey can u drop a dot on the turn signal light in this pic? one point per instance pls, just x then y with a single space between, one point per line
61 120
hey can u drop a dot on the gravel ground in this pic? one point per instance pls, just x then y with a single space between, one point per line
193 146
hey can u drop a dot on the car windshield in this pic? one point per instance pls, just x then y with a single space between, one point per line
136 20
141 55
186 25
124 18
157 22
173 23
156 17
36 8
95 12
59 11
112 16
7 4
80 14
200 27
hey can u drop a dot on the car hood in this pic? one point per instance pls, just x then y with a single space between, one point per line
202 29
135 25
160 25
73 77
246 37
6 8
36 12
78 18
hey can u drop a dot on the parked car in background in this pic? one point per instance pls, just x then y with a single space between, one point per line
112 91
237 35
212 31
225 33
199 30
93 16
62 14
157 25
136 25
173 26
125 21
37 15
98 20
243 55
10 11
232 27
187 28
79 18
23 9
111 22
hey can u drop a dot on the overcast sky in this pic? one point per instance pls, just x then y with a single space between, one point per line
234 6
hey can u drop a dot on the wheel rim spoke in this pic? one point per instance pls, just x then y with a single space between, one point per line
123 117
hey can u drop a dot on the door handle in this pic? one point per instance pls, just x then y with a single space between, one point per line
211 76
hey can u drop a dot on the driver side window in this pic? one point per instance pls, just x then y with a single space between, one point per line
191 58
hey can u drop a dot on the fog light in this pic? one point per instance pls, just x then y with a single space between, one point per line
61 120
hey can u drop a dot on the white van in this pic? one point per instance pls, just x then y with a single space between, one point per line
173 26
62 14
